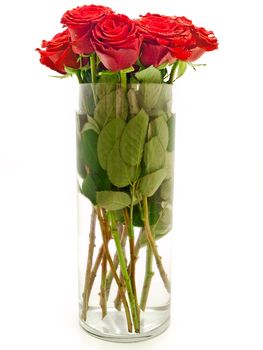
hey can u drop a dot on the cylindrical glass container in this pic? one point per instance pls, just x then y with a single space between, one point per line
125 152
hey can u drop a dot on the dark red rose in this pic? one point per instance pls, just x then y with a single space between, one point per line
58 53
80 21
166 39
116 42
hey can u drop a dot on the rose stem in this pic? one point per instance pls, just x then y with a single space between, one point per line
116 259
147 278
123 80
129 224
173 71
103 301
151 241
126 276
104 233
138 244
93 67
92 61
92 278
103 298
117 301
89 262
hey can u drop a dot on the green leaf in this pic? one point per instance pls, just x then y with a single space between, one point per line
62 76
149 75
162 66
113 200
91 125
162 226
158 127
154 155
181 69
88 189
166 190
88 150
164 102
150 183
120 174
155 113
169 165
107 138
106 84
86 99
194 65
81 119
171 128
105 109
150 95
121 104
80 163
164 223
133 137
70 70
102 181
153 212
133 103
139 99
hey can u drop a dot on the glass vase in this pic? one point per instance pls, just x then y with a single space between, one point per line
125 156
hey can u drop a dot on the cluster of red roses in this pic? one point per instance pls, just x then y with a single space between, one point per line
119 41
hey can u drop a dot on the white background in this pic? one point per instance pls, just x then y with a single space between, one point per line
218 260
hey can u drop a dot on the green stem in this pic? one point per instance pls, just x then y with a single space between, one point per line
117 301
125 274
105 233
93 75
173 71
93 67
123 81
131 229
153 246
79 77
147 278
123 235
129 224
137 248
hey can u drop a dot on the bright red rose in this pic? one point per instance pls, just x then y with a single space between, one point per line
205 41
166 39
116 42
80 21
58 53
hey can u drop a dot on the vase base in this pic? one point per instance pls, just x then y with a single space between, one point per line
113 327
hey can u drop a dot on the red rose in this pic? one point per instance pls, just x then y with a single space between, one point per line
205 41
80 22
166 39
116 42
58 53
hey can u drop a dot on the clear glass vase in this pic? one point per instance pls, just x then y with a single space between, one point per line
125 152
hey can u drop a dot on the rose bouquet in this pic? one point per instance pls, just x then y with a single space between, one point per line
125 148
